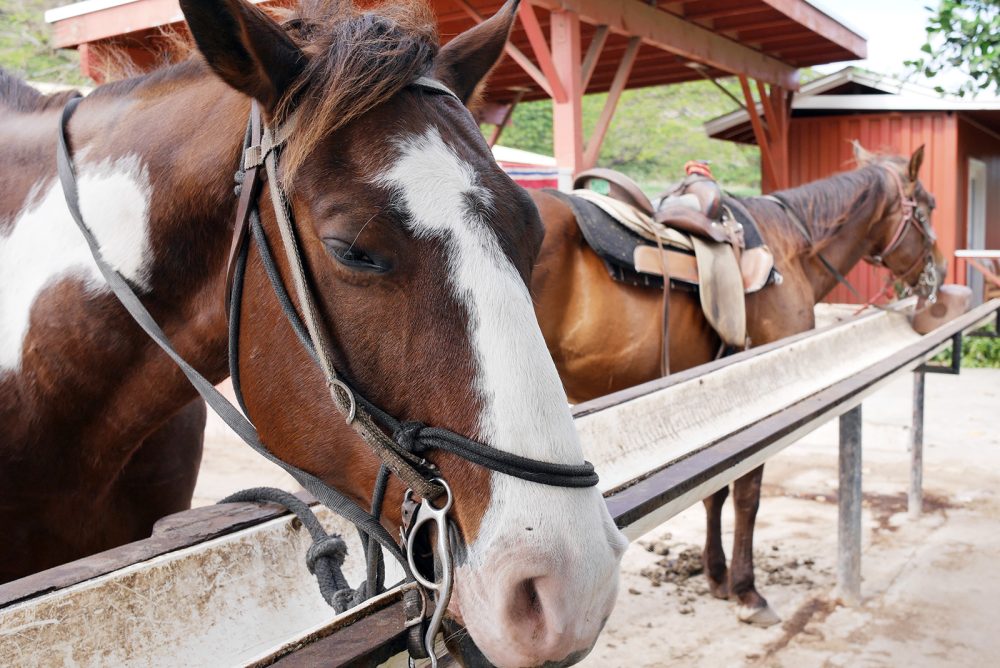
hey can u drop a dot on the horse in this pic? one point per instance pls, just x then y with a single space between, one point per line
607 336
419 251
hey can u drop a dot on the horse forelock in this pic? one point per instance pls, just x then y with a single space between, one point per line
356 60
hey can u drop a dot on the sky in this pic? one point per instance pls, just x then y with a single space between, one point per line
895 30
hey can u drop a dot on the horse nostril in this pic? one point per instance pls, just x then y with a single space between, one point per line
526 606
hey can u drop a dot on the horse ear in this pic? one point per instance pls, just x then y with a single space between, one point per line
465 61
245 47
862 156
916 160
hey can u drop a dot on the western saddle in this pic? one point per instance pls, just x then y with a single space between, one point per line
696 208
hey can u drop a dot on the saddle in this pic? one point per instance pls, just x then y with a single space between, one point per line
697 237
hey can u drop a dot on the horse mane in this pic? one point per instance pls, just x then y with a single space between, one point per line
18 95
828 205
357 59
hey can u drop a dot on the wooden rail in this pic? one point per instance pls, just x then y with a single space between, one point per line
673 488
675 441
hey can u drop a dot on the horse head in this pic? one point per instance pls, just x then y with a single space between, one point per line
903 241
419 250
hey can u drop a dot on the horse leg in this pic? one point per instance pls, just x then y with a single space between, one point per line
714 556
746 499
159 479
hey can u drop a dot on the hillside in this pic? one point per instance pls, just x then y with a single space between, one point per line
26 43
655 131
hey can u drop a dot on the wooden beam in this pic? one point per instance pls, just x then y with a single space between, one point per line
515 53
541 48
766 161
594 53
614 96
675 34
821 24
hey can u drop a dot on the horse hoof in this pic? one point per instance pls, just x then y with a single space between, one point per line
762 617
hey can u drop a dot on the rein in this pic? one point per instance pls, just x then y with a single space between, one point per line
401 446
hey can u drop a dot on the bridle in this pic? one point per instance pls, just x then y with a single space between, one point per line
401 446
912 217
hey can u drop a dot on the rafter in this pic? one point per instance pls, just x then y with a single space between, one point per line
680 36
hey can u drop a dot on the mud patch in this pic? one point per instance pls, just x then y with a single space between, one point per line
680 565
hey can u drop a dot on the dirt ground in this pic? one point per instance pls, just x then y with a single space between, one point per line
931 596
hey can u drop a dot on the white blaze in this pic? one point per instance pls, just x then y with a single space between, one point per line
44 245
525 409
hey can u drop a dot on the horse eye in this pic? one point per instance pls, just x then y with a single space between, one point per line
353 257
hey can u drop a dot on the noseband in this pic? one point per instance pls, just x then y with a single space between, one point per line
401 446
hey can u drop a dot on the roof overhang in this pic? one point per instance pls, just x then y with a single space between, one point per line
769 40
887 95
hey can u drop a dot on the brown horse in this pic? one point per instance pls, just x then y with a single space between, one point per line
606 336
420 250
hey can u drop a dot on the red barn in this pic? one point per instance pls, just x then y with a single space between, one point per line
962 167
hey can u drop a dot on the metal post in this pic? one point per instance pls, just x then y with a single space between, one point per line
849 496
916 497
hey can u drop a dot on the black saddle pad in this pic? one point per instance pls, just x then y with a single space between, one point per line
614 243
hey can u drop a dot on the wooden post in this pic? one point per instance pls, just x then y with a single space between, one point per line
567 116
915 501
849 499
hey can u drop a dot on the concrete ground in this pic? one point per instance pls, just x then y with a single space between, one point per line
931 596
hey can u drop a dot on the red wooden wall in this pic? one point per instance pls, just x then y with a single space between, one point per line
821 146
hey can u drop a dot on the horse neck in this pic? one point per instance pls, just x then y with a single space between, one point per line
854 222
155 161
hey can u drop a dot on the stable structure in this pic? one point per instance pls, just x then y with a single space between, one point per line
561 50
961 168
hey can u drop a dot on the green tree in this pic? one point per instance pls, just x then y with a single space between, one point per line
963 35
26 44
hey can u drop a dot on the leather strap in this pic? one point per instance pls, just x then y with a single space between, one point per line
249 192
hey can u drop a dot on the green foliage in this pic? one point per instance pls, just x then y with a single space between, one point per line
655 131
26 44
977 352
963 35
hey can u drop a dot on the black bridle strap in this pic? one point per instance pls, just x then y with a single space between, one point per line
402 452
236 421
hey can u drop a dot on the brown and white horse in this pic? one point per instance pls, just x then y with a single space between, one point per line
606 336
420 249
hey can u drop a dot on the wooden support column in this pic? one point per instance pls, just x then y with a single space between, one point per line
529 21
614 96
567 115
